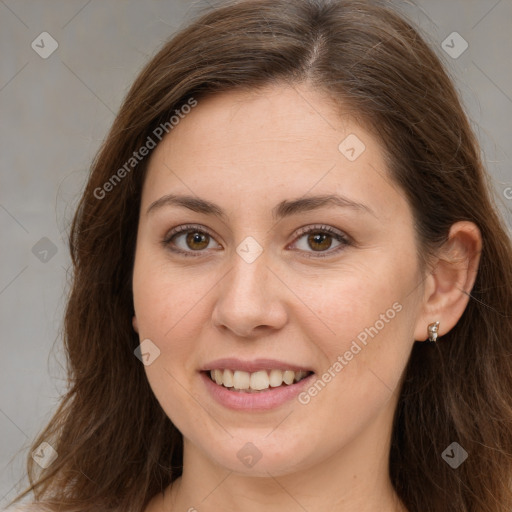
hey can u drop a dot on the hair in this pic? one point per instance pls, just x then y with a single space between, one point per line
116 446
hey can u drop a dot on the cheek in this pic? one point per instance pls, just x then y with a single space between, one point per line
371 314
354 297
172 311
165 295
167 302
365 315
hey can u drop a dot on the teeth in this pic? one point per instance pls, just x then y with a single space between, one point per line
241 380
276 378
257 381
227 378
288 377
218 376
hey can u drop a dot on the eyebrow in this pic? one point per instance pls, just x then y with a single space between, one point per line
281 210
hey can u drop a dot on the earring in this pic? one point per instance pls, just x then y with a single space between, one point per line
432 332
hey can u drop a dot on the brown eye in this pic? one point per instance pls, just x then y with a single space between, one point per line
320 241
196 240
188 240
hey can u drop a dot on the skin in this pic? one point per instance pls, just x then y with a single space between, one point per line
246 152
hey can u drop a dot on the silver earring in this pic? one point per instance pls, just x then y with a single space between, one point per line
432 332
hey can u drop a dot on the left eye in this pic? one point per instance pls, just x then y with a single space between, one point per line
318 238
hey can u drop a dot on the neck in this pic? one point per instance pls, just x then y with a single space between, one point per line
312 489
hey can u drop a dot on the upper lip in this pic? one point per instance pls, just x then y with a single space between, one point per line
253 365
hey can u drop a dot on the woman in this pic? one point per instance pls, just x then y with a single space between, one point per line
292 287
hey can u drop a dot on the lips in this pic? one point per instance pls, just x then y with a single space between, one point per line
253 400
254 376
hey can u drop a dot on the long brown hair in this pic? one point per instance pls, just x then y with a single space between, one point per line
116 446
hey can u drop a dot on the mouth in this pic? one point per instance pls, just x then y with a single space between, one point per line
260 381
256 385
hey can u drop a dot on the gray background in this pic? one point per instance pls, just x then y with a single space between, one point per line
54 115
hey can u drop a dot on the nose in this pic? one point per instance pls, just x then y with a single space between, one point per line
251 299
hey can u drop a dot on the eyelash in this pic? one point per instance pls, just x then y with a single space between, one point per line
317 229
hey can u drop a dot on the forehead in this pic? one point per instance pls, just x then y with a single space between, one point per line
283 120
277 141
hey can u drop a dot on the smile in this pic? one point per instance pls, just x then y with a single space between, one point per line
262 380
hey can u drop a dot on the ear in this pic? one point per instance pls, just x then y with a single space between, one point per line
134 324
451 280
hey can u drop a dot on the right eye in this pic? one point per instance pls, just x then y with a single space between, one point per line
193 239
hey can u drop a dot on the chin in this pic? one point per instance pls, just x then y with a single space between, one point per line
254 455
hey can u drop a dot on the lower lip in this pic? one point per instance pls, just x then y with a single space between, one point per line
261 401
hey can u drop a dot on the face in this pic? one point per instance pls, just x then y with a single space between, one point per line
259 282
